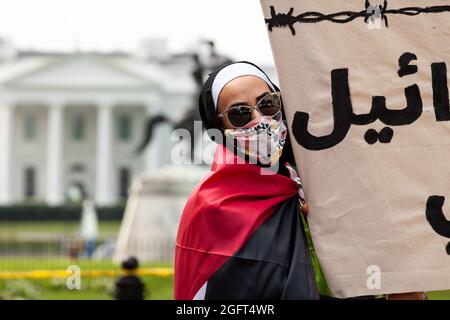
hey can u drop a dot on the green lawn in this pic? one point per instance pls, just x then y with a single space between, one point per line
439 295
106 228
99 288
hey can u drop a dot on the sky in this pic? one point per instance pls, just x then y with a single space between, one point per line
236 26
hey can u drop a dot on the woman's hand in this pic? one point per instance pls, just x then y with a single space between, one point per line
305 208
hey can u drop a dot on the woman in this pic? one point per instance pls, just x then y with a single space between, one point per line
241 233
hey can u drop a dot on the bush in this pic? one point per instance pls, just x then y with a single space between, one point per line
19 289
40 212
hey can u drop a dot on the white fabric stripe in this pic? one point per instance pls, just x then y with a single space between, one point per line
234 71
200 295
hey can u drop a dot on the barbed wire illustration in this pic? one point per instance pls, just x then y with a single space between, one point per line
370 12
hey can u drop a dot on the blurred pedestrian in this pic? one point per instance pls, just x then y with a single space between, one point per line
89 226
129 286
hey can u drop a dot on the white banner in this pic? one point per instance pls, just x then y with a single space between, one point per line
364 84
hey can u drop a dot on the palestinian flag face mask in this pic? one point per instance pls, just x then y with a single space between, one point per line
262 139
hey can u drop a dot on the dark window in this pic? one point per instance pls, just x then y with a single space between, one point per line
77 168
30 182
78 127
125 127
124 182
30 127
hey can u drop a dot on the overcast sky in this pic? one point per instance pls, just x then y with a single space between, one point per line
237 26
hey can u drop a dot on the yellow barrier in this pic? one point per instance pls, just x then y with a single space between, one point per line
46 274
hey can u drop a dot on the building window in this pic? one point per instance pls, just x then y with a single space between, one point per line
30 183
78 168
125 127
124 182
78 127
30 127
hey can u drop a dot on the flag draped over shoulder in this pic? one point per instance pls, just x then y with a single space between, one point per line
241 237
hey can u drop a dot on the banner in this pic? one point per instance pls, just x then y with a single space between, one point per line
365 90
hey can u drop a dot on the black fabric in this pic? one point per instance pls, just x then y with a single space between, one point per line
129 287
273 264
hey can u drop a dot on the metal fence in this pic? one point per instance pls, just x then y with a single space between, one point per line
74 247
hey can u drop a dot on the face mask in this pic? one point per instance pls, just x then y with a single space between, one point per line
262 139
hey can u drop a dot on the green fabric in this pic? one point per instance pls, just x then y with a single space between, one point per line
320 278
322 285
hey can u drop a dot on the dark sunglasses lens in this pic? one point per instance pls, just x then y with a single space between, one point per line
239 116
270 105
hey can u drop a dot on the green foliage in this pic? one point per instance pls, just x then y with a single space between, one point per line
39 212
99 288
19 289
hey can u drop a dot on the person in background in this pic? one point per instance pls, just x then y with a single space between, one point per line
129 286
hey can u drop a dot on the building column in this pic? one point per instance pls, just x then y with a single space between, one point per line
55 189
6 163
104 180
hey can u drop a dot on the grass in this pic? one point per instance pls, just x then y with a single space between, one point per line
106 228
98 288
439 295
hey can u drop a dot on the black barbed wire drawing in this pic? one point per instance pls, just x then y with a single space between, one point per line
370 12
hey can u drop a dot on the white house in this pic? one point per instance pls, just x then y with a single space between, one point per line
77 118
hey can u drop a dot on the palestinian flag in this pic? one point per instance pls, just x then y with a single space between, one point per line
241 237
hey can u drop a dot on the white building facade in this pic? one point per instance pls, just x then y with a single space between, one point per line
77 119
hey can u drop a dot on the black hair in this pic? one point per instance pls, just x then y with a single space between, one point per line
130 264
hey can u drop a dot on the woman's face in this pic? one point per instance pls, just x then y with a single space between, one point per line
245 90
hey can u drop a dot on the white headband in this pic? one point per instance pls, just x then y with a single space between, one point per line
234 71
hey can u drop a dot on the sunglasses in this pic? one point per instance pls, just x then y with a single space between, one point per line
239 116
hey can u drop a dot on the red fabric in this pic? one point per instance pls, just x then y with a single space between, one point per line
222 212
